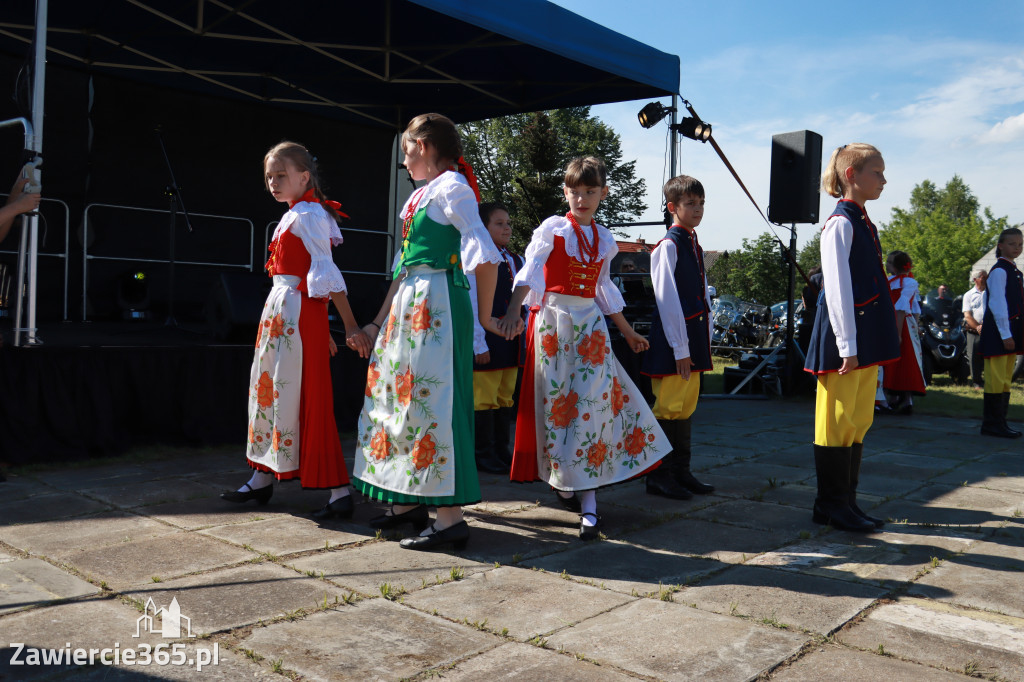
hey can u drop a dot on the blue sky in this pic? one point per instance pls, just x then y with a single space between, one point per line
937 86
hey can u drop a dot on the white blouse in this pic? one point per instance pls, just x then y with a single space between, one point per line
995 299
608 297
318 231
663 267
907 302
836 241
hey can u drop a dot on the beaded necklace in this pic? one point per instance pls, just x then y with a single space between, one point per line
410 211
587 248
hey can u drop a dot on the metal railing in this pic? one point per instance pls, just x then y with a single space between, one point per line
67 246
86 256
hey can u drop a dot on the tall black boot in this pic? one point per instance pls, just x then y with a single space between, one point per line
993 423
856 452
681 445
484 450
662 481
1006 411
832 505
502 435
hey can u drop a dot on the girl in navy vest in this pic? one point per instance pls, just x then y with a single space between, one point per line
680 336
854 332
582 423
1002 333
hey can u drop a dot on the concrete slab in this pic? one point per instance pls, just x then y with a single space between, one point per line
141 493
285 535
928 515
730 544
373 640
134 564
831 663
60 539
20 487
763 515
971 499
802 495
91 476
798 456
523 602
710 647
976 643
229 666
239 596
764 473
625 567
977 586
54 505
879 487
515 662
29 582
364 569
774 597
207 512
903 465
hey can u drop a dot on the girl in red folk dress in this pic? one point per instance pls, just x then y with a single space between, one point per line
292 433
582 424
905 376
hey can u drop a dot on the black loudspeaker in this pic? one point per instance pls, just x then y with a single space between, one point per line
236 304
796 176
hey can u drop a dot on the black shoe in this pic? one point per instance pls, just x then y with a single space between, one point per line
261 495
873 520
663 484
687 480
341 508
570 503
841 517
884 410
417 516
590 532
457 536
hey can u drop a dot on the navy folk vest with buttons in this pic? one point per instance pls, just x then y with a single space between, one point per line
874 314
504 353
692 289
991 341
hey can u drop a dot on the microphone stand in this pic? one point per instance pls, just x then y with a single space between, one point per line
173 192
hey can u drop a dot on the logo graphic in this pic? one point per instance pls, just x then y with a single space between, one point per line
170 621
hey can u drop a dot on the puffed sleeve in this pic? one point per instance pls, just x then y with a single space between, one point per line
836 241
908 292
607 295
318 232
479 336
532 272
460 207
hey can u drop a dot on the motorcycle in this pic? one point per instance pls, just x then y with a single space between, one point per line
738 326
943 343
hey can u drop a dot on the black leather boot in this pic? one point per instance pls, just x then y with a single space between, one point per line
502 434
662 481
993 423
484 437
681 445
1006 411
856 452
832 505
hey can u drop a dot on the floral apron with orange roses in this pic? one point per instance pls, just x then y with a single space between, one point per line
415 432
275 390
594 427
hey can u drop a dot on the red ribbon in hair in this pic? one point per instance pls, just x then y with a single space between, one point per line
467 170
311 197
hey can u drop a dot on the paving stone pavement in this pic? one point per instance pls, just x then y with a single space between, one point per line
142 559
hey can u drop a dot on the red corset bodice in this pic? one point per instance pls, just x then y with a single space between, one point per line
288 256
566 275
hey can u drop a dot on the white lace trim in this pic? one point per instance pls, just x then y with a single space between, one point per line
560 226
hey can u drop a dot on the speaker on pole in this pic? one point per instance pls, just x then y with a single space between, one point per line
796 176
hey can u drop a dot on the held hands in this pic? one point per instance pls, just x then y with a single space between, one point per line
358 340
683 366
849 364
332 345
508 327
637 343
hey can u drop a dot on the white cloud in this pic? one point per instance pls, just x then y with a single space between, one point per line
1007 130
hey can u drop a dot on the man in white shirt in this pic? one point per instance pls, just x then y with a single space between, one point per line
974 313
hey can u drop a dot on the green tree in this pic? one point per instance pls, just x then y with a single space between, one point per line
520 159
944 232
756 272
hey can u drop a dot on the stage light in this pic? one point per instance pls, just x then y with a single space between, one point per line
652 113
133 295
693 128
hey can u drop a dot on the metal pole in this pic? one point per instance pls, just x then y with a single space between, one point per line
673 139
38 106
23 247
791 350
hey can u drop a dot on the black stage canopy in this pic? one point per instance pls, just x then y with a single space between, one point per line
374 62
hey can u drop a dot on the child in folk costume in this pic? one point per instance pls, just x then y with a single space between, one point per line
582 424
905 376
854 332
415 432
1002 333
495 358
292 433
680 336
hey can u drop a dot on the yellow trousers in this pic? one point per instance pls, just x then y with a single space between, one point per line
845 407
494 389
999 373
675 397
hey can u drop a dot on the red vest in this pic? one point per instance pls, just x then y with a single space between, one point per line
566 275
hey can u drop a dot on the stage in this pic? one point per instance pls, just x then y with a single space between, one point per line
95 389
